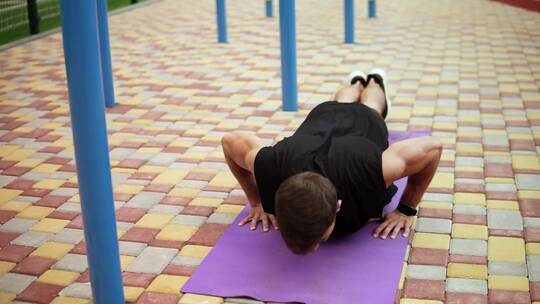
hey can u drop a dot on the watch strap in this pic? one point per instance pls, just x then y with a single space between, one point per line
406 209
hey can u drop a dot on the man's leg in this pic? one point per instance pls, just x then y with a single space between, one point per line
373 97
349 94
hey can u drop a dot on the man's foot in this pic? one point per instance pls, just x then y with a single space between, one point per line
379 77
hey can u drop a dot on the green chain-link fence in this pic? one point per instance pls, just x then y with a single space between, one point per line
21 18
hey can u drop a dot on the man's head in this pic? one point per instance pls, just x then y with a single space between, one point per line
306 205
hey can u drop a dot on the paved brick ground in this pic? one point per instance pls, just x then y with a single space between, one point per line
469 71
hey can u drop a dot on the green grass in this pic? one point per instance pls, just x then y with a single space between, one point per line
49 23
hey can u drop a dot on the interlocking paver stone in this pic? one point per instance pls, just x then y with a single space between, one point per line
145 200
466 285
186 261
528 181
131 248
531 221
533 264
468 247
78 290
69 236
152 260
32 239
189 220
72 262
222 218
426 272
507 268
504 219
15 283
470 209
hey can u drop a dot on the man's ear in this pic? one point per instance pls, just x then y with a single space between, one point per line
338 206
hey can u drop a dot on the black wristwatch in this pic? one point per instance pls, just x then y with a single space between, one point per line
407 210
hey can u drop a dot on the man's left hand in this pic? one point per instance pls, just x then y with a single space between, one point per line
392 223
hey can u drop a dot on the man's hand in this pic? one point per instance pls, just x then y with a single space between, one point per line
257 214
393 222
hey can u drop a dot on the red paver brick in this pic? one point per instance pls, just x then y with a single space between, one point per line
122 197
236 200
198 210
143 176
32 265
501 195
424 289
63 215
535 291
6 216
176 201
468 188
158 188
130 215
131 163
498 170
466 298
179 270
6 237
142 235
427 256
200 176
467 259
36 192
507 233
507 297
53 201
478 175
137 279
58 160
4 164
469 219
15 253
157 298
76 223
208 234
530 207
79 248
16 171
39 293
532 234
21 184
435 213
166 244
84 277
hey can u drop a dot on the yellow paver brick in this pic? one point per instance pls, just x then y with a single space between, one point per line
173 232
131 293
129 189
8 149
206 201
70 300
464 198
170 177
49 184
226 208
50 225
402 276
165 283
525 162
435 205
506 249
8 194
5 267
223 179
19 154
191 298
151 169
431 240
14 206
35 212
46 168
532 248
6 297
467 271
442 180
184 192
500 204
125 260
29 162
195 251
529 194
52 250
467 231
155 221
58 277
512 283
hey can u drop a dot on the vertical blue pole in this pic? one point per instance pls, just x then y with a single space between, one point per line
372 8
85 88
221 21
269 9
287 30
106 65
349 21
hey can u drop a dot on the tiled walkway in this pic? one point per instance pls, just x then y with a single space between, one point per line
467 70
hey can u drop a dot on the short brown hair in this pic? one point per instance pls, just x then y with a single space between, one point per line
305 208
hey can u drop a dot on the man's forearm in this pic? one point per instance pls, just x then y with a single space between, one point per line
246 180
418 183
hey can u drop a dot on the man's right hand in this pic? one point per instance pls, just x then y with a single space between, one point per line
257 214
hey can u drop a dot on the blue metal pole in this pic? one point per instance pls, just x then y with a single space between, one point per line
269 9
221 21
287 30
106 65
372 8
86 103
349 21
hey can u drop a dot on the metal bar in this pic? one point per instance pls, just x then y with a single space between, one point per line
372 8
221 21
287 30
106 64
349 21
85 88
33 16
269 9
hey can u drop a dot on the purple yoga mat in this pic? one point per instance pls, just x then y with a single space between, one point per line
354 269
